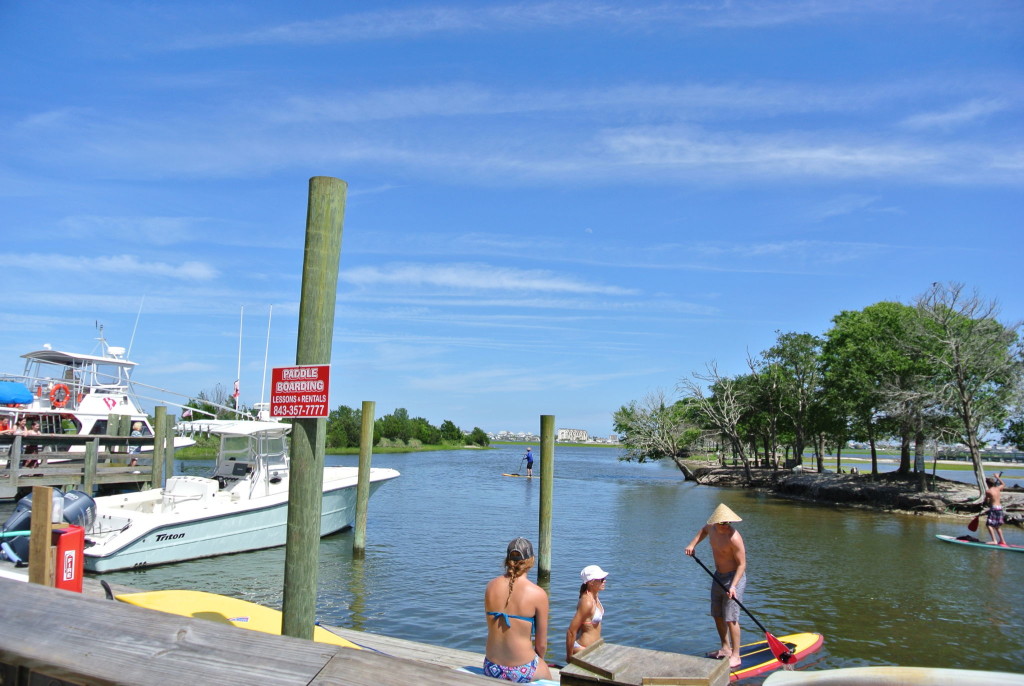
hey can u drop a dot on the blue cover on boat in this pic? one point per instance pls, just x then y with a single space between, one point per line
14 393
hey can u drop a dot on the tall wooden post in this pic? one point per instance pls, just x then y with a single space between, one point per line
325 217
547 483
159 445
169 448
92 452
363 484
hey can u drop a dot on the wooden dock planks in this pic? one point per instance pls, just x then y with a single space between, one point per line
81 639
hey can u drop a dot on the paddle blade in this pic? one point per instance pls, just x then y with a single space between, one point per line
779 650
973 526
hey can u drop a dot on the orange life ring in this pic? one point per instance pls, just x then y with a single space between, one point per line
62 399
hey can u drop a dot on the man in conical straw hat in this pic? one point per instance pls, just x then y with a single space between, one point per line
730 569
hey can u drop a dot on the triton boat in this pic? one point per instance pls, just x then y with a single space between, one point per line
242 505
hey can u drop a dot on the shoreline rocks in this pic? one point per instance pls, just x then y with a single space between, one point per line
888 492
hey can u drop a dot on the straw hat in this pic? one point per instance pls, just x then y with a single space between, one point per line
723 514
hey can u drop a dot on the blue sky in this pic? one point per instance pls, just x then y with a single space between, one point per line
553 207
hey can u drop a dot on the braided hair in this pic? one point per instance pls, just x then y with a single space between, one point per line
515 567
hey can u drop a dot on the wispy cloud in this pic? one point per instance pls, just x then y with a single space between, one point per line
959 115
532 16
158 231
849 204
474 278
115 265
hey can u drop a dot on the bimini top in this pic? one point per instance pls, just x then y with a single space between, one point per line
233 427
77 359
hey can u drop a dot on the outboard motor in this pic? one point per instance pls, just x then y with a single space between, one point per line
77 507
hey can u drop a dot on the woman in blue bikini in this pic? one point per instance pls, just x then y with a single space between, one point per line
517 620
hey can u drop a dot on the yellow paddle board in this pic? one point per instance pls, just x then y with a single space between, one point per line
219 608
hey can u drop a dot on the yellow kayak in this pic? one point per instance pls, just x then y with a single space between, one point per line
223 609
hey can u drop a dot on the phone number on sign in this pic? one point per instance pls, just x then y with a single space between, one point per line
300 410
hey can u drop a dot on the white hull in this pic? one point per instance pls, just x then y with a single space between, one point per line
179 526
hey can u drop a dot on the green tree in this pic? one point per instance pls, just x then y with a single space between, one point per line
425 432
344 427
977 359
452 434
798 359
395 426
478 437
867 368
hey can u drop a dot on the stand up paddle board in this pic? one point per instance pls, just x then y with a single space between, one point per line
525 476
757 658
219 608
979 544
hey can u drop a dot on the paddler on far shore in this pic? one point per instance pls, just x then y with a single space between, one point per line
730 569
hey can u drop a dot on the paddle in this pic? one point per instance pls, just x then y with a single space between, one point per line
778 648
973 525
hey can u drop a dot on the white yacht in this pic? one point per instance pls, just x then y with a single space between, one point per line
74 393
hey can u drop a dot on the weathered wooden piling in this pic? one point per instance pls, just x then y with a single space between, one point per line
160 452
169 448
40 568
363 484
547 489
324 223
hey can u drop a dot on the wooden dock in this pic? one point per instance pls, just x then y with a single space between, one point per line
57 637
73 462
78 639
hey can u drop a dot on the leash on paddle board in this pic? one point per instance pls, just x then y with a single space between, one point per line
779 649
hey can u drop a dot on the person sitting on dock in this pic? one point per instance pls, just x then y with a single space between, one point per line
993 496
516 609
585 627
730 569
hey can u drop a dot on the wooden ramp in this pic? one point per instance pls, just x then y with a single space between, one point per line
608 663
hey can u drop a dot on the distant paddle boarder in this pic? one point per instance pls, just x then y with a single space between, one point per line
994 521
730 570
529 462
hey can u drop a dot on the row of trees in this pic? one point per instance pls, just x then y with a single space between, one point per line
397 429
942 369
344 425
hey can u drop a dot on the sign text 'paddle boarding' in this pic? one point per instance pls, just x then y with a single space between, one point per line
300 391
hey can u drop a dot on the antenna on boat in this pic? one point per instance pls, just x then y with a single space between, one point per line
238 375
266 353
131 341
101 339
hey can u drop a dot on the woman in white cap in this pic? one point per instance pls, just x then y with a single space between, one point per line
731 570
585 628
517 620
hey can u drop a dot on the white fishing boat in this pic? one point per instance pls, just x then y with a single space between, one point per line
242 505
74 393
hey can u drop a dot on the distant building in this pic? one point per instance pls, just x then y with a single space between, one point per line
573 435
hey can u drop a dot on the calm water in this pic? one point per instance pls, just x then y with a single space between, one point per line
880 587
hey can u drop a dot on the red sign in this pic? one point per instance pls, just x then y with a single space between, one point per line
300 391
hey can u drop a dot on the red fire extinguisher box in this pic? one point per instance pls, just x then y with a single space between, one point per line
68 571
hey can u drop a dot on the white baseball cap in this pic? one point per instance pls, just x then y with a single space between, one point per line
592 573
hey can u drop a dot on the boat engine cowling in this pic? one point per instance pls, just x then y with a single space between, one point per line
77 507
